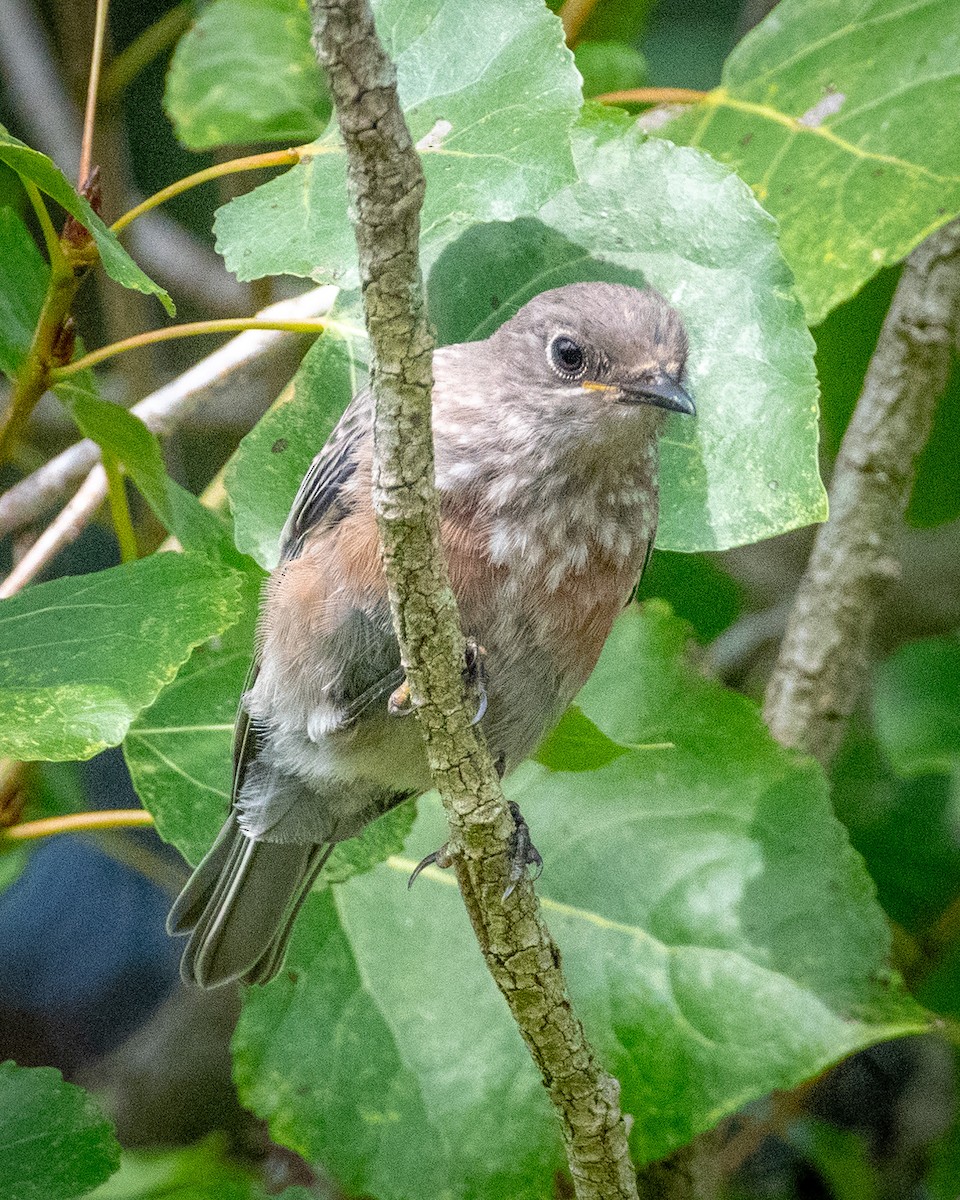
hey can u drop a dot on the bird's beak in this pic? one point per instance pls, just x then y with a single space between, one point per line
661 392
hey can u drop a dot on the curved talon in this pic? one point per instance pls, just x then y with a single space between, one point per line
473 674
400 703
441 858
523 853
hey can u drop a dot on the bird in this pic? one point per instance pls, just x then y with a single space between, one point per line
545 445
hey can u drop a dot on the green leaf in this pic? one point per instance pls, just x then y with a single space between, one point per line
201 1172
125 436
489 113
81 656
904 828
263 475
916 706
179 751
23 282
246 72
645 212
609 67
838 114
32 165
54 1142
577 745
715 925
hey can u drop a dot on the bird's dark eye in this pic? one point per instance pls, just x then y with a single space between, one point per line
567 355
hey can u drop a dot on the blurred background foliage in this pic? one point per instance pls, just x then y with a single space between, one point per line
88 981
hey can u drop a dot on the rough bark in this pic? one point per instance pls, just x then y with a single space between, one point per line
823 659
387 187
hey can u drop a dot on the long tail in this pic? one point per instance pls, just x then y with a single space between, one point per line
239 907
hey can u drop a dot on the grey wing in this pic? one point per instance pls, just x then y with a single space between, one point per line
319 499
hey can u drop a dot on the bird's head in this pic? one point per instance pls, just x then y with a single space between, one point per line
597 345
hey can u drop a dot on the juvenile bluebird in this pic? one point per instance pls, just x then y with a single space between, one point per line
545 438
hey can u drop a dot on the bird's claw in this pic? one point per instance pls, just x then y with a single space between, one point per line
523 853
400 703
474 676
439 858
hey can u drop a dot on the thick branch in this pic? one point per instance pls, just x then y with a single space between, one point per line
387 189
823 659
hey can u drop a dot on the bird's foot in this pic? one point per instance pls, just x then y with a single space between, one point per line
400 703
439 858
475 677
523 853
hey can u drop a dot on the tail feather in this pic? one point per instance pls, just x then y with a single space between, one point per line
240 905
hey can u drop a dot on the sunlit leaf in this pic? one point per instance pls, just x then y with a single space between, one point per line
32 165
81 656
840 115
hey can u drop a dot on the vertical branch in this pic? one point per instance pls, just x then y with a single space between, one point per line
823 659
387 186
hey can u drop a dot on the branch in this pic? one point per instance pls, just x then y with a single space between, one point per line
823 659
162 411
387 187
65 529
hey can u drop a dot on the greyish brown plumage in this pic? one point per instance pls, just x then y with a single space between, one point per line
546 458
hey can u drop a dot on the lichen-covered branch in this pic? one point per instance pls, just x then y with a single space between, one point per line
387 187
823 659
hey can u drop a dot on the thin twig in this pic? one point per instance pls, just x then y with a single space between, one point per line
387 186
46 113
27 501
173 332
574 15
824 656
90 112
652 95
61 532
107 818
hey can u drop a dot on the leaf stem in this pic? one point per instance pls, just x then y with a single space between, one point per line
574 14
109 818
193 329
50 344
653 95
50 237
90 113
253 162
120 508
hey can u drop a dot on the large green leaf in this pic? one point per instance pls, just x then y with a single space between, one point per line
179 750
32 165
55 1144
744 469
645 212
841 116
205 1171
917 706
246 72
23 281
490 114
81 656
720 937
